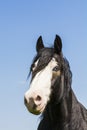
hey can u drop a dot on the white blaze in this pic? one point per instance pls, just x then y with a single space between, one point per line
42 82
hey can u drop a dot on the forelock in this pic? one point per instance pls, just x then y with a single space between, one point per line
44 56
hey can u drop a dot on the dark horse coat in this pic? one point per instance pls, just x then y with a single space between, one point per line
63 111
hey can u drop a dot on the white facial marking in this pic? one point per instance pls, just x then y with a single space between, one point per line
41 83
35 65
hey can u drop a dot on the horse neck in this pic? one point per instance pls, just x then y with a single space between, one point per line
61 112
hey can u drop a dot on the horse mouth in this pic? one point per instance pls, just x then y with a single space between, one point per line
36 110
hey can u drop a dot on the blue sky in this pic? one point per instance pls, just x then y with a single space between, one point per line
21 22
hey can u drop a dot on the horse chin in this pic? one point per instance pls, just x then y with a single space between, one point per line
37 111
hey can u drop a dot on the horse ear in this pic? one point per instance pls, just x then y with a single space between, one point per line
39 44
58 44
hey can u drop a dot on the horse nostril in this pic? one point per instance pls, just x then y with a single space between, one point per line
38 98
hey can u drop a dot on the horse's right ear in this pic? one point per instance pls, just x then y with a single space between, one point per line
39 44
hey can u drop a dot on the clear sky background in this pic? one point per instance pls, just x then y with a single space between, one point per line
21 23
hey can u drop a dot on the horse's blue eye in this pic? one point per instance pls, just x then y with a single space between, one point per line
56 68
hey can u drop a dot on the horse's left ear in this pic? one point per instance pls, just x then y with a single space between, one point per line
39 44
58 44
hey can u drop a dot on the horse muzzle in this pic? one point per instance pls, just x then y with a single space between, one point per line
34 103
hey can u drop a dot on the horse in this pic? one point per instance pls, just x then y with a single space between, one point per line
50 93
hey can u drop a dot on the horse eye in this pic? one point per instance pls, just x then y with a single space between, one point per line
32 67
56 68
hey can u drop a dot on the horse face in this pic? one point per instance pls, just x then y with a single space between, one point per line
38 95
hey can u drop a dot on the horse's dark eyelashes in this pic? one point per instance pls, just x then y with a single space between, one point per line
56 68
